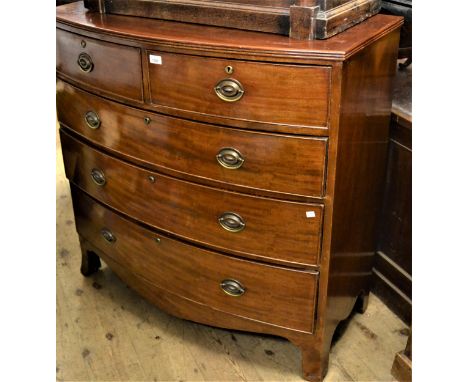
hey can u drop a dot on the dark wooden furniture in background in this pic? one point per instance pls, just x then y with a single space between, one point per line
402 8
392 270
232 178
300 19
62 2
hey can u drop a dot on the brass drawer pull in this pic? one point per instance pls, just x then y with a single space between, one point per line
231 222
229 90
230 158
98 177
232 287
85 62
108 235
92 120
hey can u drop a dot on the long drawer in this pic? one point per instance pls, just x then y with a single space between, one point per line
105 67
254 160
276 295
241 91
231 222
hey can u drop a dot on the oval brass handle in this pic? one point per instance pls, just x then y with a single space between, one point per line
232 287
108 235
92 120
85 62
230 158
229 90
231 222
98 177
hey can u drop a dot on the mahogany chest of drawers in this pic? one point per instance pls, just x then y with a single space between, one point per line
232 178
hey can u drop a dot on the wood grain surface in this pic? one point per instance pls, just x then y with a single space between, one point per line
275 230
360 174
276 295
327 19
215 41
280 94
333 237
188 149
107 59
106 331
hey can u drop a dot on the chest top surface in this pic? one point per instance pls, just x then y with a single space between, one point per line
339 47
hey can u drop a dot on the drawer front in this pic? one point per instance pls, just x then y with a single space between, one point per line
102 66
270 294
272 162
241 224
257 92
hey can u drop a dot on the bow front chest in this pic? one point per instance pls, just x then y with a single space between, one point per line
232 178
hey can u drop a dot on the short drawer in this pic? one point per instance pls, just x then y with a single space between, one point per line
102 66
239 90
260 161
246 225
276 295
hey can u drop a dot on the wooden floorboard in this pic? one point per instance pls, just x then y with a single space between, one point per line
106 332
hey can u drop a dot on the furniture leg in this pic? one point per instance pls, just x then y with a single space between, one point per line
362 302
90 261
314 358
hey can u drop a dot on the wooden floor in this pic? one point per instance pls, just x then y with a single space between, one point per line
106 332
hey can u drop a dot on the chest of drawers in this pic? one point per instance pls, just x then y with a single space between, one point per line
232 178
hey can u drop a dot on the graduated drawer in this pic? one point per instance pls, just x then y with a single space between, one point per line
103 66
265 293
267 162
232 222
240 90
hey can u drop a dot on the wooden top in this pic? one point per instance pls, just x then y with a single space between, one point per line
339 47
